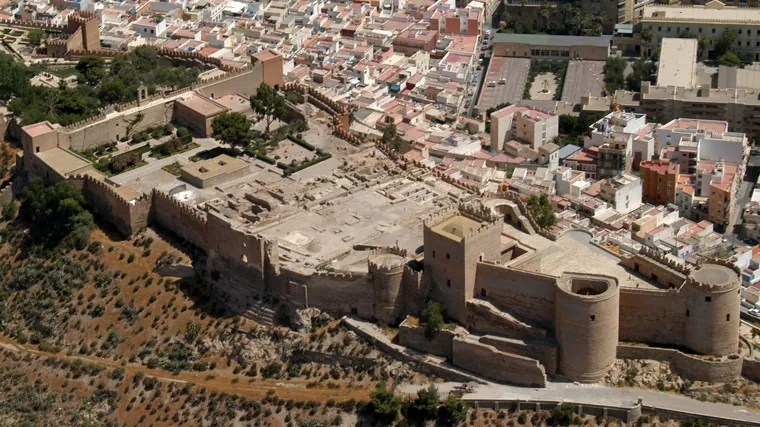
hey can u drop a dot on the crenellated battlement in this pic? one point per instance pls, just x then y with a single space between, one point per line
395 250
664 260
183 207
347 276
108 188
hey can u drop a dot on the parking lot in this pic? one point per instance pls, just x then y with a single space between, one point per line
503 82
582 77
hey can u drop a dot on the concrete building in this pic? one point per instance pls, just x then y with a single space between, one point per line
196 113
659 179
739 107
542 46
631 124
678 63
615 155
529 125
708 21
710 139
622 192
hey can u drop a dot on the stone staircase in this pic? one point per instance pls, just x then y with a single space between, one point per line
261 312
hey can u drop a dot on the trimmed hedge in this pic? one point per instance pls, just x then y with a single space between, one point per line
301 142
293 169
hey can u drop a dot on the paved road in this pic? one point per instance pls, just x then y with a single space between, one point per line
597 394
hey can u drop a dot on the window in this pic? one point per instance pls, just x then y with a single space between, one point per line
593 317
448 256
433 254
708 299
448 282
700 29
36 149
659 28
713 30
483 292
728 317
687 313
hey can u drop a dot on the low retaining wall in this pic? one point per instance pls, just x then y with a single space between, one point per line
691 367
414 337
544 352
412 357
487 361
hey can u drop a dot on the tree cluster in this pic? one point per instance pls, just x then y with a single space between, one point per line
55 214
433 319
615 78
392 139
566 20
541 210
99 84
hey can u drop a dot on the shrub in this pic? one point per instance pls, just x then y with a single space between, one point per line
453 410
123 162
9 211
384 405
271 370
433 319
182 131
168 128
138 138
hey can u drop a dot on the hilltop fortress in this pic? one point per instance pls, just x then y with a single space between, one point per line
381 239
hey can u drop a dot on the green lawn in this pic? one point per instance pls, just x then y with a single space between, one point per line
174 168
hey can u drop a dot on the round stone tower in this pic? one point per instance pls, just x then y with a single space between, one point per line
386 266
586 322
713 301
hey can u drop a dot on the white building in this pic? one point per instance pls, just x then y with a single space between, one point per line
623 192
529 125
148 27
711 139
633 124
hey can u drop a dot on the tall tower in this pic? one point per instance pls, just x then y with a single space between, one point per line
455 241
89 27
712 309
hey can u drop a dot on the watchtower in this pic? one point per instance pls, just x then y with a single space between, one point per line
455 241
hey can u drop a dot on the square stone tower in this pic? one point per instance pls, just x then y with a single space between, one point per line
455 241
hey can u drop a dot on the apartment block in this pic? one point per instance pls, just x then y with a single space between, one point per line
528 125
622 192
702 140
615 155
659 179
740 108
632 124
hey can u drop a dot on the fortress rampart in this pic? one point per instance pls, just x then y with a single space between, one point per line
129 216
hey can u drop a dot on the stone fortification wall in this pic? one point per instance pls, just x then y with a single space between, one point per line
642 308
341 293
586 325
129 216
244 83
528 296
412 336
487 361
688 366
100 130
414 290
545 351
653 266
179 218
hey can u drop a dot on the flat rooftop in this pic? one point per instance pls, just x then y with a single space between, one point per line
678 62
457 227
38 129
567 255
210 168
722 15
203 105
62 161
550 40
